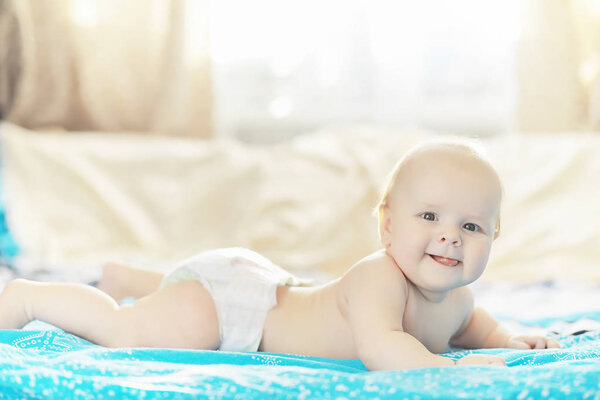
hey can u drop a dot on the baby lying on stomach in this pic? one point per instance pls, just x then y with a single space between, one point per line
396 308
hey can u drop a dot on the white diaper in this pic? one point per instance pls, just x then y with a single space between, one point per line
243 285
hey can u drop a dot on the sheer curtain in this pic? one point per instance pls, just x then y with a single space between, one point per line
10 57
267 70
281 68
585 17
551 96
110 65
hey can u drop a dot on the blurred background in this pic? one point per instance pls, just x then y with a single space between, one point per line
149 130
267 70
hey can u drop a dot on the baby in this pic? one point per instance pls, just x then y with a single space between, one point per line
396 308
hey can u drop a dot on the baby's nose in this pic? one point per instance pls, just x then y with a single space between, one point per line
450 238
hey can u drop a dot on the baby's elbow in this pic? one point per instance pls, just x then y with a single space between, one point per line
378 366
385 362
372 363
374 357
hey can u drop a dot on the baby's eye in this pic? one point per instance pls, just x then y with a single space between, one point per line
429 216
471 227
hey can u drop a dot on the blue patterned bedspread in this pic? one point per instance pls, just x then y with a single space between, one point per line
47 363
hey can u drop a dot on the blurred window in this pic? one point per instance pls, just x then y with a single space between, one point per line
286 67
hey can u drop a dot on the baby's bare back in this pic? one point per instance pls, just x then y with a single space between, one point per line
308 321
314 321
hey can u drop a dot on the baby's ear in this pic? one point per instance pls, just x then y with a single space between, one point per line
385 226
497 231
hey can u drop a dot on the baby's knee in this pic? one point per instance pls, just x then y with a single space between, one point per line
15 309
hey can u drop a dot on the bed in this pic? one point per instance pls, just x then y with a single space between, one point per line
73 201
43 362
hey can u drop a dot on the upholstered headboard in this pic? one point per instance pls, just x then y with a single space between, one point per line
75 199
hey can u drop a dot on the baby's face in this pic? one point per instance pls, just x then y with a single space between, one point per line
441 221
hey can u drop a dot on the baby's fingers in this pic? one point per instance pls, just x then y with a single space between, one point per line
497 361
519 343
541 342
481 359
536 342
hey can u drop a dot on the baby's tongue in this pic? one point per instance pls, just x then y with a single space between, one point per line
446 261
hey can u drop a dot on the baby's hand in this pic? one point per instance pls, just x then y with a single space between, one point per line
481 359
531 342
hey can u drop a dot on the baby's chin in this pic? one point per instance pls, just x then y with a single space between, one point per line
437 283
440 287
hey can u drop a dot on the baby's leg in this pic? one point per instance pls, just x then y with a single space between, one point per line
181 315
120 281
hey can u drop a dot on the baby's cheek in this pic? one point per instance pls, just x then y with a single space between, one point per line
407 252
481 257
414 249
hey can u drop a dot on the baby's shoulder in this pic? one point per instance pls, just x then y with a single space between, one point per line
377 270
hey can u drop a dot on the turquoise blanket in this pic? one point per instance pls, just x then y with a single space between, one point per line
44 363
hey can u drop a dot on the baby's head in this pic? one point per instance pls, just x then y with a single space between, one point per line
440 213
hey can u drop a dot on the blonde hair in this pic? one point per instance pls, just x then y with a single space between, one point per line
457 145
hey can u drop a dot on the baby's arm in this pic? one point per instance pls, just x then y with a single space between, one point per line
481 330
376 295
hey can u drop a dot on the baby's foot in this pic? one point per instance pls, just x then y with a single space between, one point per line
111 281
13 310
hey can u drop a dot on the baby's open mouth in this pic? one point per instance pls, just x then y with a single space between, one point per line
450 262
